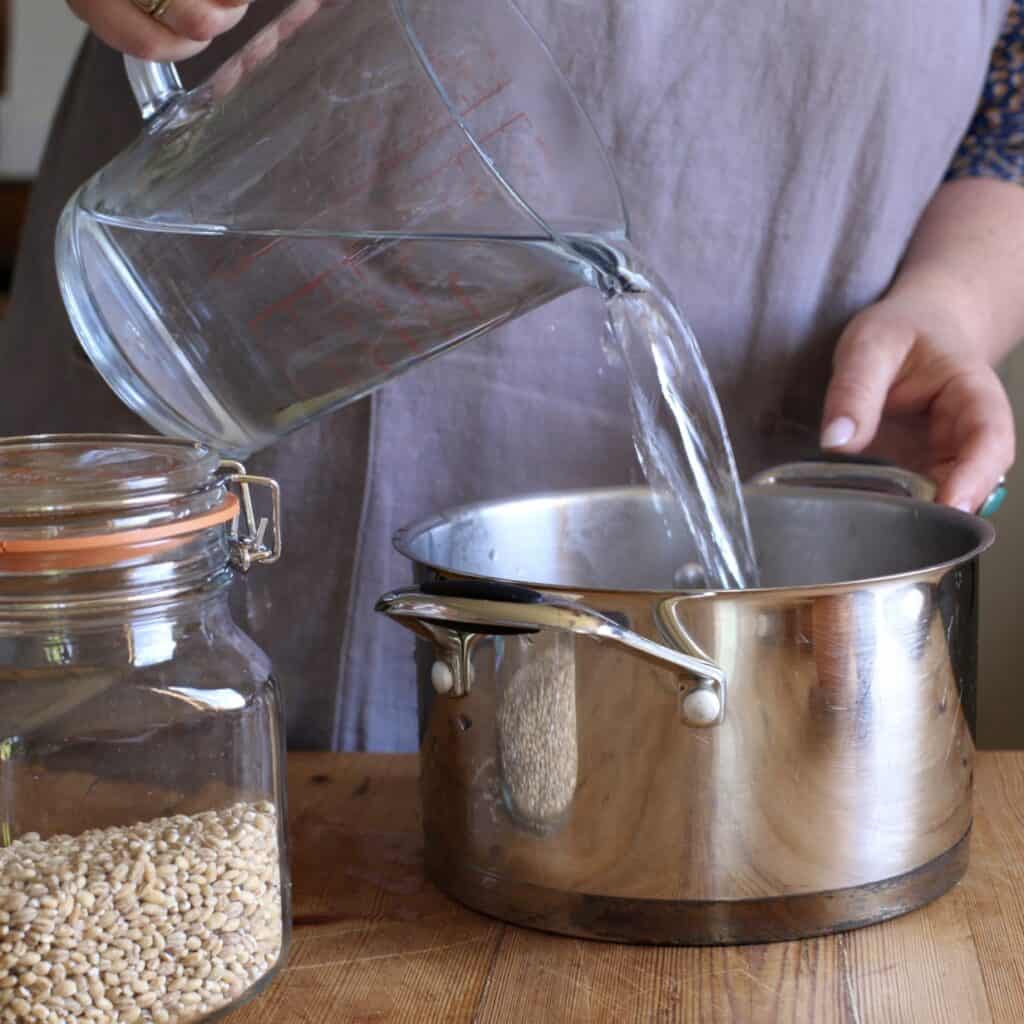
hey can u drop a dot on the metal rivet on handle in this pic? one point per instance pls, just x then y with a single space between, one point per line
442 678
701 707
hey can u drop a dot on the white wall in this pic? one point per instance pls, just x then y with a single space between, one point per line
45 37
1001 657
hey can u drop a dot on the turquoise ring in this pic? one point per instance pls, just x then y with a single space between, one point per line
995 500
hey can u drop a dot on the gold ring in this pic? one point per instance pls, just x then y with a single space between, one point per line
154 8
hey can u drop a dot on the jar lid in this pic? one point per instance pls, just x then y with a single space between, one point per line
86 500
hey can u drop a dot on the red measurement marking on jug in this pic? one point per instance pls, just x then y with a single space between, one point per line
401 261
378 304
466 150
334 364
463 299
371 171
309 287
284 305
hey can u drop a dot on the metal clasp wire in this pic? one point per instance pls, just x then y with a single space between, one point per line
249 548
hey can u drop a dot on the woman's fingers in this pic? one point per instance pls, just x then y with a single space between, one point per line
201 21
890 370
868 359
183 29
978 415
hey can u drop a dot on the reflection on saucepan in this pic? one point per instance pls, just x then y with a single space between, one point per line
536 723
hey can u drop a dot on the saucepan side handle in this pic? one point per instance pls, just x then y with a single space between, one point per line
456 613
850 476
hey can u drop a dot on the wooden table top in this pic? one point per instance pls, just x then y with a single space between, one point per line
374 942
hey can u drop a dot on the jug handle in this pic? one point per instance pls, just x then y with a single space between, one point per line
154 85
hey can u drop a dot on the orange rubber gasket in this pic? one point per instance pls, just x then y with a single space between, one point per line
128 539
88 558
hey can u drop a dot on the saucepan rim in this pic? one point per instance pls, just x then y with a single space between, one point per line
405 538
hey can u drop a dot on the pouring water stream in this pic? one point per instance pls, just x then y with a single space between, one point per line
680 435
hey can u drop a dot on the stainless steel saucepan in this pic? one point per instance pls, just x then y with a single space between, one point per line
609 755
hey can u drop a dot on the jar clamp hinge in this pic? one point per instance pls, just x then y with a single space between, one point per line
248 534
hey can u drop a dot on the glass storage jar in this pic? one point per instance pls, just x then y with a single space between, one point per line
143 869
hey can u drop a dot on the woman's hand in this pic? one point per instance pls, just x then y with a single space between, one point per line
910 385
913 379
183 29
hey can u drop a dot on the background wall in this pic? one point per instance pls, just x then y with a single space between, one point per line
1001 686
43 40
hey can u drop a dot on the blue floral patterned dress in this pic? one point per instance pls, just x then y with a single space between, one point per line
994 144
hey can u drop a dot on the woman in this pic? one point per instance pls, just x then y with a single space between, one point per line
784 165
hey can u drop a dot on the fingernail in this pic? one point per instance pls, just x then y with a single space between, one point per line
964 506
839 432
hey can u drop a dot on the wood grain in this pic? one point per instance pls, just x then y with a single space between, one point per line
374 942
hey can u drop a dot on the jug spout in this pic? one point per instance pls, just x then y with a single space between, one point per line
606 267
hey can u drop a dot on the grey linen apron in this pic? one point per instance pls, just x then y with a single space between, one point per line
775 158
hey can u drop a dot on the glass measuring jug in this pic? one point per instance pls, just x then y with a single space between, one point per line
364 185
